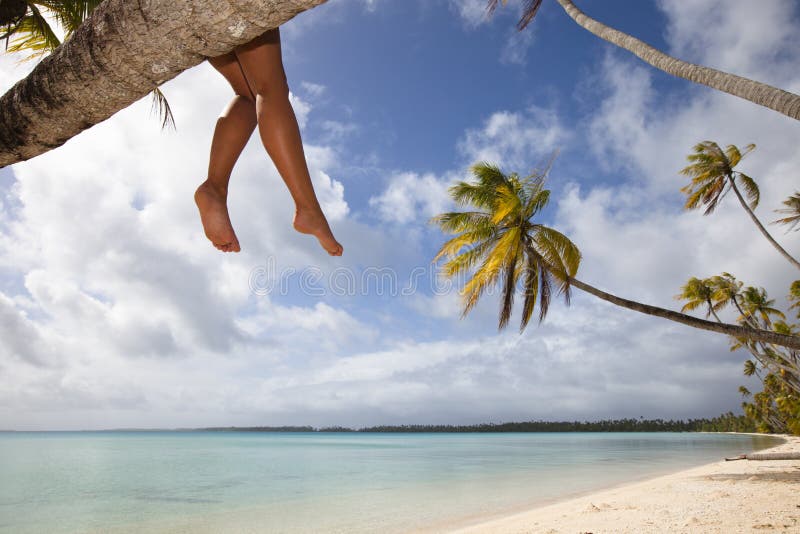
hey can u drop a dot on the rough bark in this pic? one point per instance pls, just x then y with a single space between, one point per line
760 226
759 93
766 336
124 50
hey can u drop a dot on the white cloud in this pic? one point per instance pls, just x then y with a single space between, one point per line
125 316
745 38
515 51
472 12
410 196
336 130
301 109
518 141
314 90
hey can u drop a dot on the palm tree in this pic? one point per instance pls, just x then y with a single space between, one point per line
726 289
121 53
794 296
697 293
32 33
756 311
758 305
506 242
759 93
500 236
712 176
792 210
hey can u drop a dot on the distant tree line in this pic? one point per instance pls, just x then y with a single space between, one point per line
724 423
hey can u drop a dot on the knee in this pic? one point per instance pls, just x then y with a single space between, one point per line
245 97
274 89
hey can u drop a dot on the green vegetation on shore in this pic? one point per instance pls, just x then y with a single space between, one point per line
724 423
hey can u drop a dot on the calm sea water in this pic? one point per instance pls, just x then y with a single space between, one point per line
311 482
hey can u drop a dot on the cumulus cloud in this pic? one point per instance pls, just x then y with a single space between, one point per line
515 51
410 196
116 311
472 12
518 140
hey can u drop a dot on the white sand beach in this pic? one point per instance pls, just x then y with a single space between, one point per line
724 497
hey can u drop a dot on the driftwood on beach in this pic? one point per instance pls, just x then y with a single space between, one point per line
767 456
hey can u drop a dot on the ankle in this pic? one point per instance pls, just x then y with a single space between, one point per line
307 207
220 187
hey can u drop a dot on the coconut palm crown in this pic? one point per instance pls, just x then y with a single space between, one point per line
712 176
500 238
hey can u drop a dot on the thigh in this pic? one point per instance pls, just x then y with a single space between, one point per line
261 61
229 67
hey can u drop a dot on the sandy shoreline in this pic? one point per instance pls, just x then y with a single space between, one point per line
724 497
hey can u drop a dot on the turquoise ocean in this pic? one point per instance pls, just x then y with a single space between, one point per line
54 482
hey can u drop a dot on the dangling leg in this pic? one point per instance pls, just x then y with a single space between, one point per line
233 129
263 69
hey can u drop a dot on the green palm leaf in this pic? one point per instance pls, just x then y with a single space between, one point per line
792 210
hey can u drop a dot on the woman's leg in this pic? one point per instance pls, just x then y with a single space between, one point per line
233 130
263 68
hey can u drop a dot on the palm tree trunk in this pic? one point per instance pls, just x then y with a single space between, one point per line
761 226
122 52
712 310
766 336
756 92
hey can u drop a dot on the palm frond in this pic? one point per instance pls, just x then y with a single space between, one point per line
509 288
507 203
792 209
538 198
545 293
467 260
70 14
161 106
33 33
560 253
454 222
505 250
750 189
529 10
734 155
488 174
531 289
453 246
794 295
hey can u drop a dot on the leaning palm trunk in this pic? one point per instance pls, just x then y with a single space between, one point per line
123 51
756 92
761 226
766 336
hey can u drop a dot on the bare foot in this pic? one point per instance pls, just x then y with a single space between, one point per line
313 221
211 201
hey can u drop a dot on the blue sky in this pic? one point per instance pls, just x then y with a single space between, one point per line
117 312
